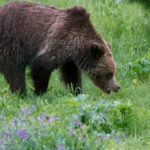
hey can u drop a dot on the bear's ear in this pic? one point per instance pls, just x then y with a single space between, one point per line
97 50
109 45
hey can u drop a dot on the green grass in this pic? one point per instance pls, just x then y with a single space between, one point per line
114 122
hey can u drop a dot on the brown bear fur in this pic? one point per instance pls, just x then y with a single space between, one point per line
47 38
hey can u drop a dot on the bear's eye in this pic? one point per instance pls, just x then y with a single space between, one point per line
110 74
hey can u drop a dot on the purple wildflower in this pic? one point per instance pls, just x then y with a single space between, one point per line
5 135
117 140
78 123
71 132
14 122
26 111
1 141
59 147
22 134
33 107
43 116
53 119
16 130
43 133
46 117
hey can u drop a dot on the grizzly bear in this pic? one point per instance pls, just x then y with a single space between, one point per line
46 38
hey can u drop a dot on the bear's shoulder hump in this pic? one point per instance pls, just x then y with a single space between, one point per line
78 11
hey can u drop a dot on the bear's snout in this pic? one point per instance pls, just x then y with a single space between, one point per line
108 91
116 88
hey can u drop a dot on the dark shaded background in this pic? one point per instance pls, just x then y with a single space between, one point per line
146 3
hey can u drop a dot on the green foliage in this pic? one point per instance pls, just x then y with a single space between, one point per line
142 67
106 116
139 68
33 129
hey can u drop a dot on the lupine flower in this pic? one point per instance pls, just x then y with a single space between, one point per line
46 117
78 123
117 140
43 133
33 106
26 111
22 134
1 141
59 147
71 132
5 135
53 119
43 116
14 122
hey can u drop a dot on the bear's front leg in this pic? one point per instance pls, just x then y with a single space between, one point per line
40 76
71 75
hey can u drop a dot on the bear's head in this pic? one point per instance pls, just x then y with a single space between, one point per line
99 64
92 53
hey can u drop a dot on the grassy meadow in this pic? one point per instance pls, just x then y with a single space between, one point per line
93 120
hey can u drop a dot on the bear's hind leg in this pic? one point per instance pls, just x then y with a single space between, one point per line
15 77
71 76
